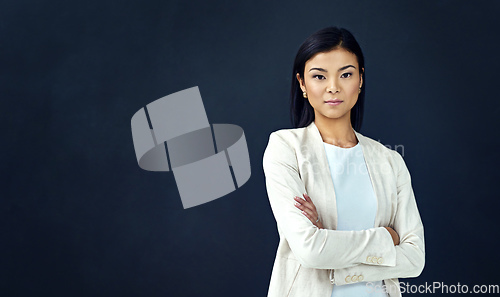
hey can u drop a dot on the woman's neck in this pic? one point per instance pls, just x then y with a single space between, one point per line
338 132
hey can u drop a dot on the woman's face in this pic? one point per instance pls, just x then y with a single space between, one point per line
332 75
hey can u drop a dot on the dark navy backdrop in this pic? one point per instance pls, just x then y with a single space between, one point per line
80 218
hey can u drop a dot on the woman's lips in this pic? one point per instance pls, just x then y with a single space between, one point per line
333 102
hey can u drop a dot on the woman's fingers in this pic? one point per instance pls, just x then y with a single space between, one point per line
308 199
307 209
302 205
301 201
309 216
307 202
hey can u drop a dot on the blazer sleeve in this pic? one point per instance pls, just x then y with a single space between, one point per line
410 253
314 247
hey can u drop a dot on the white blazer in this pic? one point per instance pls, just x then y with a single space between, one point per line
310 261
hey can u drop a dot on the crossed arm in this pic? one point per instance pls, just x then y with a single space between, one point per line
308 209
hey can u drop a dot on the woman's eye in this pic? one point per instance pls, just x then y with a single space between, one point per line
318 76
346 75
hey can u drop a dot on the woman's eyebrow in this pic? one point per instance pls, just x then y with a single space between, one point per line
345 67
324 70
319 69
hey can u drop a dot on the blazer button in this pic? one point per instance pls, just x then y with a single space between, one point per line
348 279
380 260
360 278
354 278
374 260
369 259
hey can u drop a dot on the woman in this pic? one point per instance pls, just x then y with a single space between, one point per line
344 205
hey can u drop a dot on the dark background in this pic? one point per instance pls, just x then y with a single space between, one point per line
80 218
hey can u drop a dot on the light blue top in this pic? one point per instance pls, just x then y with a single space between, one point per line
356 206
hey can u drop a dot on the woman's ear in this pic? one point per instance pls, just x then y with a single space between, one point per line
361 77
301 82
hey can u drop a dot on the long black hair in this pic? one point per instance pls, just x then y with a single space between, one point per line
324 40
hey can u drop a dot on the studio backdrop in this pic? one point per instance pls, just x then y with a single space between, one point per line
81 217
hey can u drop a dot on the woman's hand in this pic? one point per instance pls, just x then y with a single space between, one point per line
394 234
308 209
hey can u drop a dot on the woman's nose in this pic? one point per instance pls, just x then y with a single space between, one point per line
332 87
